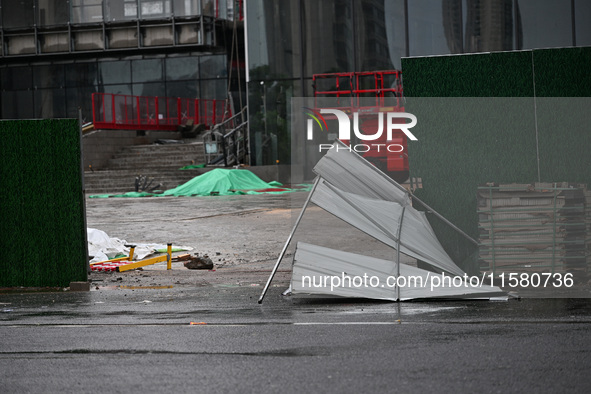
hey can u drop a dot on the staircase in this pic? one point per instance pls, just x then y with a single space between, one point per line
160 162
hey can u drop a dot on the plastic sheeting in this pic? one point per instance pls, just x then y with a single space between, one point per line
320 271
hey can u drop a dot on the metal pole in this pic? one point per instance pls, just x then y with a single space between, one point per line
469 238
554 234
365 215
492 230
398 253
289 240
450 224
83 192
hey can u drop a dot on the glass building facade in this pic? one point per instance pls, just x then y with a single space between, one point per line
291 40
55 54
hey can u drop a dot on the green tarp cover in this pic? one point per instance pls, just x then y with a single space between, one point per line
220 181
217 182
190 167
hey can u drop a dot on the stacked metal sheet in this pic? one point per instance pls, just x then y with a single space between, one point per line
540 227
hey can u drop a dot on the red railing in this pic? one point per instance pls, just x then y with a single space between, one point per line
117 111
368 93
352 89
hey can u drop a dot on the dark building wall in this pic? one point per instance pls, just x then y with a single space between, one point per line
54 55
291 40
40 89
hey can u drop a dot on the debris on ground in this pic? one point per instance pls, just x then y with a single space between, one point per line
199 263
181 257
144 184
102 247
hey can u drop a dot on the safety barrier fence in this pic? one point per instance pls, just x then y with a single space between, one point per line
124 112
126 263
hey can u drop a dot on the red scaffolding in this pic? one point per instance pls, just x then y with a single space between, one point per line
354 90
117 111
368 93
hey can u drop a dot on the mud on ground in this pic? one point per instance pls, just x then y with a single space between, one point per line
243 235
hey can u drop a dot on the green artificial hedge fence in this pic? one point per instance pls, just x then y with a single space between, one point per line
489 118
42 222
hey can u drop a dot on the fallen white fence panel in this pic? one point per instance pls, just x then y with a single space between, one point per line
324 272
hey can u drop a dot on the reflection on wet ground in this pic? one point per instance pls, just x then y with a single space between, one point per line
235 304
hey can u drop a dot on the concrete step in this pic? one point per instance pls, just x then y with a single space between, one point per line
170 148
154 156
124 180
158 153
163 147
162 162
145 164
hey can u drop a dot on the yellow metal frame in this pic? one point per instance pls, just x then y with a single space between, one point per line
153 260
123 258
141 263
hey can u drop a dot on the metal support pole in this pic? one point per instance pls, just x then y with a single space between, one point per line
554 234
398 253
434 212
131 252
492 230
299 219
169 256
427 207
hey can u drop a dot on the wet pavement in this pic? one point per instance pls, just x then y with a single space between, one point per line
203 331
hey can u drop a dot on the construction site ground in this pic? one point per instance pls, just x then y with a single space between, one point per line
181 330
243 235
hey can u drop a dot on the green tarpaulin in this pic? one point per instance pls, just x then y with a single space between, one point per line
218 182
221 182
190 167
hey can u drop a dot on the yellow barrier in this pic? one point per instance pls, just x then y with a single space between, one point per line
142 263
123 258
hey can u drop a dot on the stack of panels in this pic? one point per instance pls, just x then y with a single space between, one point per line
541 227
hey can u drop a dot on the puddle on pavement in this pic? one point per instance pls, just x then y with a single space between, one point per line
393 309
129 287
403 308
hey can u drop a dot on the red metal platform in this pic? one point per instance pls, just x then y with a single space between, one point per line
123 112
365 92
368 93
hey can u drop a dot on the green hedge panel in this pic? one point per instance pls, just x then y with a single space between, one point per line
42 220
504 74
463 144
562 72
